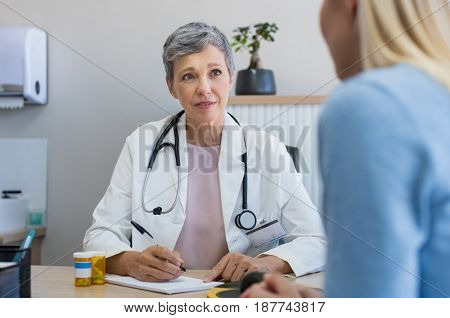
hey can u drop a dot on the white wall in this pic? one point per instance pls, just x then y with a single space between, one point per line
90 113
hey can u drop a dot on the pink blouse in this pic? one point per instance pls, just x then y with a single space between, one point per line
202 242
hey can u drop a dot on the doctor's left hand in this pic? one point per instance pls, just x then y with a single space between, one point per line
233 266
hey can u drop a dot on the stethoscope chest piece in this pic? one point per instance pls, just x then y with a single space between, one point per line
246 220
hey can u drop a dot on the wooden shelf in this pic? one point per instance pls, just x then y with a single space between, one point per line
276 100
18 235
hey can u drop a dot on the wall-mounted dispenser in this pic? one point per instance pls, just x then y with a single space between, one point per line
23 67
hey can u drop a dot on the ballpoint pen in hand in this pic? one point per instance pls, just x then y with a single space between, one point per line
145 233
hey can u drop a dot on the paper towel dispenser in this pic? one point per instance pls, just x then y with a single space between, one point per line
23 66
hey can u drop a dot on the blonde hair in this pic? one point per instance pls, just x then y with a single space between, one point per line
409 31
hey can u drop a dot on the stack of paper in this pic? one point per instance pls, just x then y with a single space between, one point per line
9 280
7 264
182 284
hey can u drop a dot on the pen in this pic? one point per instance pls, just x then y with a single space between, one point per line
26 243
145 232
141 229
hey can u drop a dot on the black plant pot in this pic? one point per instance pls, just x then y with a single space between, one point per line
255 82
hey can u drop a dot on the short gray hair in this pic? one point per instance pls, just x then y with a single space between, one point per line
193 38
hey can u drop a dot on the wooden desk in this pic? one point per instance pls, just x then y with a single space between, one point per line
58 281
16 238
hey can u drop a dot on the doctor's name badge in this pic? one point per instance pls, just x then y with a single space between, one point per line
266 234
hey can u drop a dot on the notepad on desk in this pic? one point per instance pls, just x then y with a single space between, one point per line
182 284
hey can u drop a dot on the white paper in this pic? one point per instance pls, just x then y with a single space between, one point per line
182 284
11 102
7 264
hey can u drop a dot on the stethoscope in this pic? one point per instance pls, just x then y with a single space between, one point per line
246 220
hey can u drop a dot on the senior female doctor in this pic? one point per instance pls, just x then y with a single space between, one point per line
197 190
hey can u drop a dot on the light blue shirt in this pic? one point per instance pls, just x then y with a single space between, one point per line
385 161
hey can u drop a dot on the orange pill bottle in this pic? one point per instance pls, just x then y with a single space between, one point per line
82 269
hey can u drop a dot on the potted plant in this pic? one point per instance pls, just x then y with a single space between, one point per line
254 80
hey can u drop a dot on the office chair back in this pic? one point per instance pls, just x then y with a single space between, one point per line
294 152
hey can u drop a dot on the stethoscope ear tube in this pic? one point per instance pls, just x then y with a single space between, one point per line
159 142
158 146
158 210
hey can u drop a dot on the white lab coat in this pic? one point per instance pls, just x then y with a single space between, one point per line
275 191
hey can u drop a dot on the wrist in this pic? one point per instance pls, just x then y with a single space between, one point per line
276 265
128 261
121 263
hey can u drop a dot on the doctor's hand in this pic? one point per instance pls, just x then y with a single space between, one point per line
275 286
155 264
233 266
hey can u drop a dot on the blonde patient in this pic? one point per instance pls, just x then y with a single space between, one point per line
384 143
